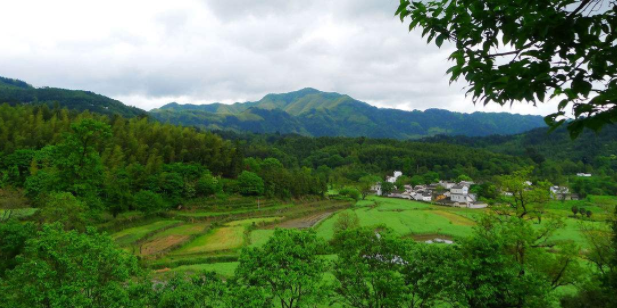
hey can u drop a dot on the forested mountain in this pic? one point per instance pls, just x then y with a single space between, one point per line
314 113
16 92
540 144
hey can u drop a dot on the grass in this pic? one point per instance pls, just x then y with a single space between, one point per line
131 235
18 213
257 221
230 212
259 237
225 238
405 217
171 237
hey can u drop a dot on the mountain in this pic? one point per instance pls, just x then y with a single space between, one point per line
13 91
314 113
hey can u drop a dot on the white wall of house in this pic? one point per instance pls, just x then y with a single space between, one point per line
457 197
460 190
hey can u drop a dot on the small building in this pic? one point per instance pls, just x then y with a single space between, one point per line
377 189
446 185
396 175
459 189
584 174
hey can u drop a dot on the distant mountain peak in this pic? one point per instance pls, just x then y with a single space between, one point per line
317 113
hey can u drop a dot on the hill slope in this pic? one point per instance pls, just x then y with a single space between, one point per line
15 92
314 113
539 144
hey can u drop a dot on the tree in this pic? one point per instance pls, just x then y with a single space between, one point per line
80 168
574 210
350 193
528 51
526 201
148 202
506 264
346 220
386 188
462 178
416 180
589 213
64 208
429 275
203 290
286 269
366 183
69 269
207 185
250 184
13 236
368 267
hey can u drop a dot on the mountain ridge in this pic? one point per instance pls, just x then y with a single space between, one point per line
15 91
316 113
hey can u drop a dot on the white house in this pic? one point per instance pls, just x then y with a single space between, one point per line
377 189
460 196
396 175
459 189
584 174
447 185
422 195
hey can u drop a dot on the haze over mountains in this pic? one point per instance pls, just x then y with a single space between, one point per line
307 112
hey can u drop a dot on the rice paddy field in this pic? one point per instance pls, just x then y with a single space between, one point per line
198 240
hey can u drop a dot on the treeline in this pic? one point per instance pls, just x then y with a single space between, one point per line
556 156
17 92
348 159
119 164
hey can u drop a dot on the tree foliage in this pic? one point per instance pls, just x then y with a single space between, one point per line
515 51
69 269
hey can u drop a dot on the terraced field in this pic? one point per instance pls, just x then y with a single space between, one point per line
132 235
303 222
171 238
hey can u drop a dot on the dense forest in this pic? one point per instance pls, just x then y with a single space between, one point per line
15 91
119 157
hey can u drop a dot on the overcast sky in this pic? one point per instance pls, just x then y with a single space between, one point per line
149 53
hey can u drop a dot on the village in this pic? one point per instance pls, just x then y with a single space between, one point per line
457 194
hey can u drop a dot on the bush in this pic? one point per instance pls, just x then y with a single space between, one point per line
148 202
250 184
207 185
350 193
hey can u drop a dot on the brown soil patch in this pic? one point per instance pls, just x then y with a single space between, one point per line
161 244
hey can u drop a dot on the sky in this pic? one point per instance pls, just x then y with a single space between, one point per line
149 53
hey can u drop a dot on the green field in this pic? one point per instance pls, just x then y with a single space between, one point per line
131 235
175 246
171 237
405 218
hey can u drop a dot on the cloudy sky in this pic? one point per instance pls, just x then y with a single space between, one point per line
149 53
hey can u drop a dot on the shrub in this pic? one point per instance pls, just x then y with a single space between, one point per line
148 202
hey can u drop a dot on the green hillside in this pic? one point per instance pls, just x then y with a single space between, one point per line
314 113
17 92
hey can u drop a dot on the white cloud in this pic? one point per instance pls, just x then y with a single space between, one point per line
148 53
